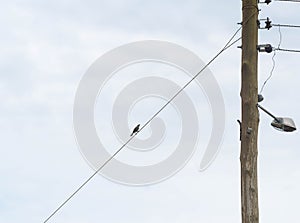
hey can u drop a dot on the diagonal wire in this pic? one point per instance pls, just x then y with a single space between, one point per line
92 176
227 45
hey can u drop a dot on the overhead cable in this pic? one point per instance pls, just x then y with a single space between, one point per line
227 46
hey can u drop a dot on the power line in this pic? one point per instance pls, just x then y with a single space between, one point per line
274 62
288 50
227 45
286 25
119 150
287 1
269 1
79 188
269 24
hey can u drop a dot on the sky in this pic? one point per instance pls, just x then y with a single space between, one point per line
46 48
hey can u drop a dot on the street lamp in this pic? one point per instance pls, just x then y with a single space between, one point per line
279 123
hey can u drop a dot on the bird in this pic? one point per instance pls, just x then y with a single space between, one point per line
135 130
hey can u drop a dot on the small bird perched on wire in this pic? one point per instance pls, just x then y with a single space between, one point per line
135 130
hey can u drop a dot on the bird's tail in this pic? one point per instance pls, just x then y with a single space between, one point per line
131 134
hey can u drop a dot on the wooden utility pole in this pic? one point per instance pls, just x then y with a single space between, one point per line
250 118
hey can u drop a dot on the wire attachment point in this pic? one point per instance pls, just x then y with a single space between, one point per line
265 48
266 1
268 24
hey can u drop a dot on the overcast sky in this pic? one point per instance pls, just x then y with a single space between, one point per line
45 49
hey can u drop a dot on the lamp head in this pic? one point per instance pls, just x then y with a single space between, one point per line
284 124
